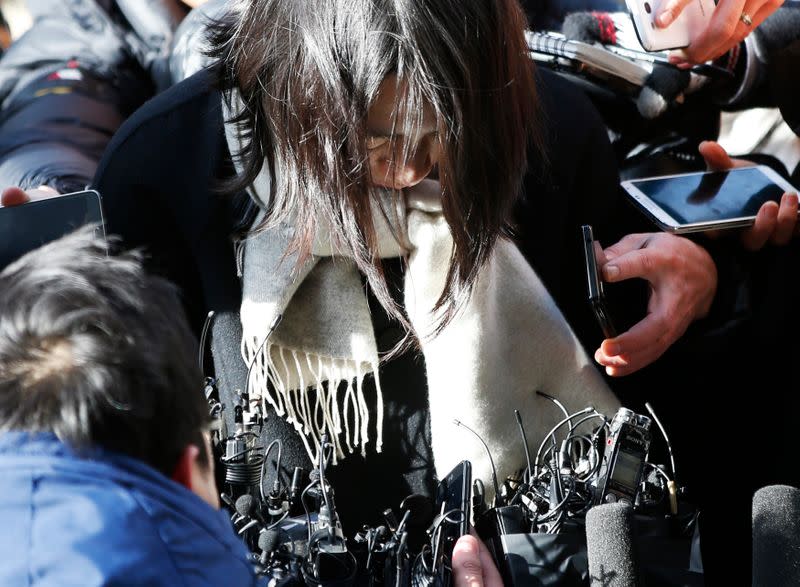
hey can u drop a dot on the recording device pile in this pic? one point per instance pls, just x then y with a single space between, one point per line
590 481
540 525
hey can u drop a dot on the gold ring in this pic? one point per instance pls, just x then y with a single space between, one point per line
745 18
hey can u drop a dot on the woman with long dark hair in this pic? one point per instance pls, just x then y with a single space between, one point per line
351 167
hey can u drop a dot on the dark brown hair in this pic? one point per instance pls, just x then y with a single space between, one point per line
307 73
97 351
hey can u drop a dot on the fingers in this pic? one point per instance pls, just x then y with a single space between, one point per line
13 196
640 262
727 29
645 342
757 235
786 221
467 563
671 11
724 29
774 223
717 158
630 242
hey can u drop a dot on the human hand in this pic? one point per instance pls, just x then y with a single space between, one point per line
14 196
473 565
683 281
774 223
728 27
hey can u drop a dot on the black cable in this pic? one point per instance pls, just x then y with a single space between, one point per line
201 352
525 443
322 465
556 402
305 507
276 483
666 439
275 322
491 460
553 431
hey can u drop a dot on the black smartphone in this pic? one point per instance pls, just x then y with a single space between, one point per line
28 226
452 511
594 283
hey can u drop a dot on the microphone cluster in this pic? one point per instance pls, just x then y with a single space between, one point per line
588 478
591 482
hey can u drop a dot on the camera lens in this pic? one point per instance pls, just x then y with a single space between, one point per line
647 8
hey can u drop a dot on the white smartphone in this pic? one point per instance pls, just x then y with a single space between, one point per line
697 202
689 24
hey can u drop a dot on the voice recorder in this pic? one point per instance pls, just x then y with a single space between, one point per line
627 445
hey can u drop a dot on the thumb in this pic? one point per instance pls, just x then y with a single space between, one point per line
466 562
13 196
670 12
716 157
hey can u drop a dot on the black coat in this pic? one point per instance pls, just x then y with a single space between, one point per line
157 182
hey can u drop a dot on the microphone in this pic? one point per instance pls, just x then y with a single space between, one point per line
609 544
776 532
247 507
267 542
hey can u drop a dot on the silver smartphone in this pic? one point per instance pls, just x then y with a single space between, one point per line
698 202
689 24
28 226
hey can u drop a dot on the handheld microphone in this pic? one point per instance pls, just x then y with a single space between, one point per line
776 532
609 543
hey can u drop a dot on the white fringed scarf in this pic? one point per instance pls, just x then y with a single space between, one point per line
508 340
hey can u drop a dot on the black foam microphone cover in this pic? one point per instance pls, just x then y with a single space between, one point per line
776 536
609 543
268 540
244 505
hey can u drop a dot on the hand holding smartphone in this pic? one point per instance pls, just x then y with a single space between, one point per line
692 21
703 201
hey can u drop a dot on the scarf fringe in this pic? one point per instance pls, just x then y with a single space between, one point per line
312 405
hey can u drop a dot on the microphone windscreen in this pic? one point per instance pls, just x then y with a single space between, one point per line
776 536
609 543
590 27
244 505
268 540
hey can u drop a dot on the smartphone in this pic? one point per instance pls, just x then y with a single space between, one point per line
689 24
594 283
28 226
702 201
453 503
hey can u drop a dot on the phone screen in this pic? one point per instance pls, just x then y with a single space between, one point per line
719 195
28 226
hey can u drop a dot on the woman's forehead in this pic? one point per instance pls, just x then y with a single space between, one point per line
386 109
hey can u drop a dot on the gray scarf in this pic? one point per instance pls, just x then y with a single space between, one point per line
507 340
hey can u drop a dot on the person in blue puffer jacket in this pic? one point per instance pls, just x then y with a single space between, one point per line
106 476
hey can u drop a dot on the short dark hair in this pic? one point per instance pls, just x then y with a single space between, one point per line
99 352
307 73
